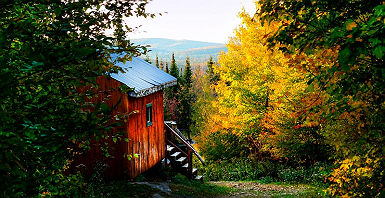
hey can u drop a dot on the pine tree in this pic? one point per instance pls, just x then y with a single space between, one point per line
172 93
186 99
210 71
161 65
174 68
166 67
187 75
157 62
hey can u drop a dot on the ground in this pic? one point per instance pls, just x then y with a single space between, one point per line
255 189
182 188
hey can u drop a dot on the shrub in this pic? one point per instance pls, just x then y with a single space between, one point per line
222 146
265 171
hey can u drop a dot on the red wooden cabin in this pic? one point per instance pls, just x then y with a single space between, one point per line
145 124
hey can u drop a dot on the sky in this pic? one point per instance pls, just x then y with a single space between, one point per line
200 20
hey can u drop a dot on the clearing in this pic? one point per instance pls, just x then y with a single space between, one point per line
222 189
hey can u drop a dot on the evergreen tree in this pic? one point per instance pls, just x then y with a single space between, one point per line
157 61
166 69
186 99
210 71
187 75
174 68
161 65
171 96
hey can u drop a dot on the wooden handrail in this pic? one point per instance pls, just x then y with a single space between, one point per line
188 145
180 150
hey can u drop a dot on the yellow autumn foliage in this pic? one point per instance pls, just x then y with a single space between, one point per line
257 86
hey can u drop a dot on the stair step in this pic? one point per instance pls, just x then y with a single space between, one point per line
198 177
185 166
181 159
175 154
170 148
194 170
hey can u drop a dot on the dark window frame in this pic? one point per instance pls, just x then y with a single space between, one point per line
149 117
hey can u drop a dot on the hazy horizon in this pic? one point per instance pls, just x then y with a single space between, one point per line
200 20
139 38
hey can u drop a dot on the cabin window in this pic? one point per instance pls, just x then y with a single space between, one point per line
149 114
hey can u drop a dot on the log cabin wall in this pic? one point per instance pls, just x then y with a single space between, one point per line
146 141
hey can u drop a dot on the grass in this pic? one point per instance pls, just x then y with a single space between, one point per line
289 184
124 189
181 186
258 189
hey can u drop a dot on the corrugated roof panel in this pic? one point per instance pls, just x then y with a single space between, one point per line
142 76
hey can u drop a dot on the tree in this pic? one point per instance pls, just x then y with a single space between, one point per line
260 98
171 94
187 75
355 83
210 70
186 99
161 65
174 68
166 67
157 61
48 49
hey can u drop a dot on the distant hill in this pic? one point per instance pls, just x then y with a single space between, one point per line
198 51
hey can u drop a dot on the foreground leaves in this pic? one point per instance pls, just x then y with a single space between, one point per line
48 50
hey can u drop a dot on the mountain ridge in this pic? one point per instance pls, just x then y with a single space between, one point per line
198 51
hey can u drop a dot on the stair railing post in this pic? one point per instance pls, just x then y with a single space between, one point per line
190 164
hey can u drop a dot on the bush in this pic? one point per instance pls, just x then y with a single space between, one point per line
358 177
240 169
265 171
314 175
221 146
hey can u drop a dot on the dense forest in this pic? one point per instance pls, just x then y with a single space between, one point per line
298 97
197 51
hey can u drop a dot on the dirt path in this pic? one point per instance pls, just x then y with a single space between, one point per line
253 189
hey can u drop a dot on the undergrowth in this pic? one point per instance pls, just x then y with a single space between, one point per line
182 186
244 169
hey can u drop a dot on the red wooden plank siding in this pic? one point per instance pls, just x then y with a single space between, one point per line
147 141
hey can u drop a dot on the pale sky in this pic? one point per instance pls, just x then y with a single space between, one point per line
200 20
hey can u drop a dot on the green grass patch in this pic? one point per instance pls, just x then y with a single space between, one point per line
181 186
120 189
257 189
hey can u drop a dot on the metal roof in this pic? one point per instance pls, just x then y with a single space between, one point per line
144 77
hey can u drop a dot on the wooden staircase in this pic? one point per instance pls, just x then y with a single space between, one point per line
180 152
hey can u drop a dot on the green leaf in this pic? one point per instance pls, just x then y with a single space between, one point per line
57 11
379 51
375 41
345 58
104 107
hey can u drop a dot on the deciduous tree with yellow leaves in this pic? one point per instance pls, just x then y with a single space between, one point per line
261 97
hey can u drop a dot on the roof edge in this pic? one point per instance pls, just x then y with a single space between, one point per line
146 92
